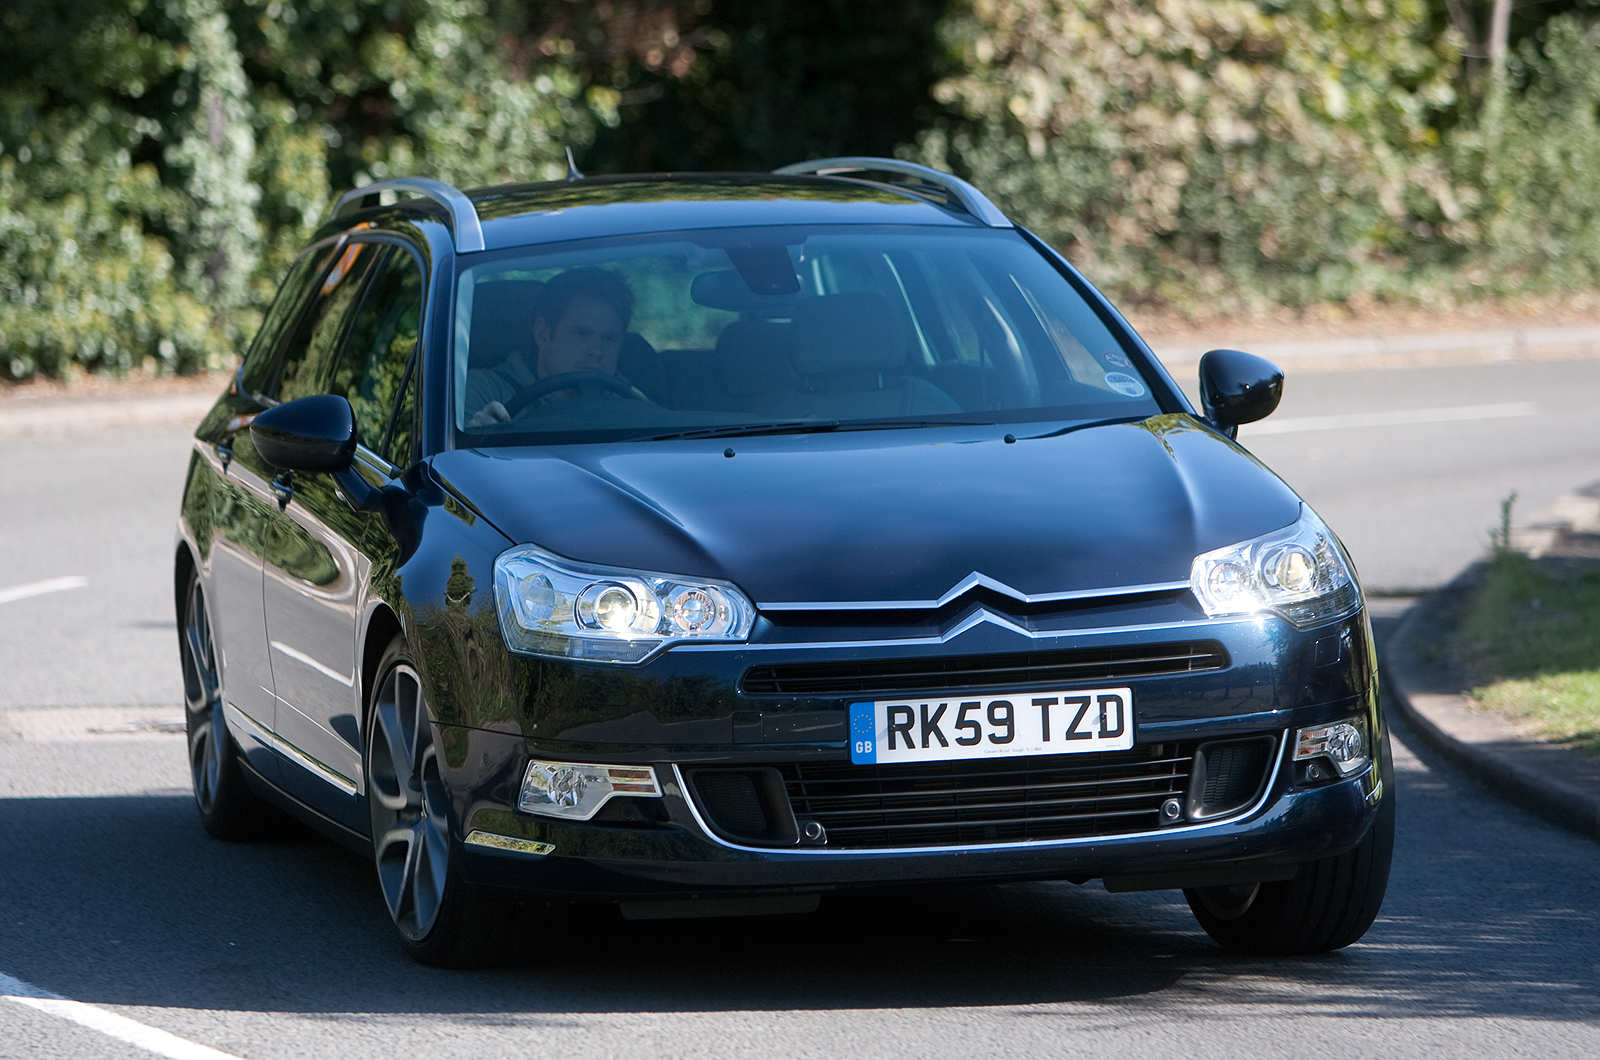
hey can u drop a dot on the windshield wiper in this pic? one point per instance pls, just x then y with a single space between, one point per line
746 430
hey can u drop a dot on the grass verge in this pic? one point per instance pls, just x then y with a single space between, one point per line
1529 643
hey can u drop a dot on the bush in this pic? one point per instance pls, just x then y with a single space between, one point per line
1209 152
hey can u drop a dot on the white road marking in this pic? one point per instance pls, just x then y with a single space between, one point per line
52 585
300 656
1394 418
122 1028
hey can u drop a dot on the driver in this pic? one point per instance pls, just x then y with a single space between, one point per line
582 318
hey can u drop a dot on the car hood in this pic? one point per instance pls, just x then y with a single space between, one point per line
888 516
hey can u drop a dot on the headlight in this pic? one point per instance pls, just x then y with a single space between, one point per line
553 606
1299 572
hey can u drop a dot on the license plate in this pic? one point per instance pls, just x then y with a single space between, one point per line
925 729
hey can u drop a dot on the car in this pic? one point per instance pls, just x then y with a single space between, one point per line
708 544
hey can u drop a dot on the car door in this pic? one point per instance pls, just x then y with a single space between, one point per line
239 504
327 553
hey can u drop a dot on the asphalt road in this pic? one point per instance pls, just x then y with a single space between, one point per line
112 896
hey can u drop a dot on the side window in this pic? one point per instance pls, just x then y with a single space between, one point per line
263 356
374 369
307 359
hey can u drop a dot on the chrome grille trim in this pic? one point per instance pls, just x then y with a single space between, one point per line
1031 845
960 673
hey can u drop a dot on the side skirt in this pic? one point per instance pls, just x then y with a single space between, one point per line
339 833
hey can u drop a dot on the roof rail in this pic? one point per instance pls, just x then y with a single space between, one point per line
464 224
959 192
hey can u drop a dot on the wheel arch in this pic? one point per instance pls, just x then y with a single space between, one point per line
183 565
383 625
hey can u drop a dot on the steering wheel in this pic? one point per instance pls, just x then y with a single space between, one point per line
579 381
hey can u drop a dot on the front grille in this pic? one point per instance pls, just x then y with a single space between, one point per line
1050 668
1009 800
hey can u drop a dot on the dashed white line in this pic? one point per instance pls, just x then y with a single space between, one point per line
1393 418
51 585
151 1039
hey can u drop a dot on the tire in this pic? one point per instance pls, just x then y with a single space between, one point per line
1329 904
228 808
442 921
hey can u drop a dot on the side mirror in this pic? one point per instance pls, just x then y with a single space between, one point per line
1238 388
316 433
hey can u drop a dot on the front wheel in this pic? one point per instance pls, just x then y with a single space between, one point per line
1329 904
442 920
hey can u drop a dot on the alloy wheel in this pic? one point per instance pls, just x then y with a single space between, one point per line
202 689
409 809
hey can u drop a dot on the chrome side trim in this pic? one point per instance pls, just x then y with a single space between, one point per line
316 768
980 617
973 581
970 199
466 228
271 739
262 734
1032 844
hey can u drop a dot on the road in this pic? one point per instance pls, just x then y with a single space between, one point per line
113 897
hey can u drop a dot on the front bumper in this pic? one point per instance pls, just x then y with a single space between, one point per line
1286 826
1278 680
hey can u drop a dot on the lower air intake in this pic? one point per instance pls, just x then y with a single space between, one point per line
1228 776
745 805
1013 800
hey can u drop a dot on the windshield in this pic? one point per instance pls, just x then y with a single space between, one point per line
771 329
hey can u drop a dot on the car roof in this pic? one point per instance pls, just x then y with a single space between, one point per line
515 215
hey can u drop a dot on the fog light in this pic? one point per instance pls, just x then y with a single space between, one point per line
577 790
1343 744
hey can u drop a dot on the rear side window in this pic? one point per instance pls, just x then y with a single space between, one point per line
262 358
376 361
308 357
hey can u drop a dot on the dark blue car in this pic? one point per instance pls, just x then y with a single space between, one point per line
710 543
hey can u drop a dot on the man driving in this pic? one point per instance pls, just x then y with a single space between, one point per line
582 318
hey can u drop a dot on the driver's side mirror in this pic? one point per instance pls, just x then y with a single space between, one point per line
1237 387
312 434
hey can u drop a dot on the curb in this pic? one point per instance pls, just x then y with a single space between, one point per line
1559 785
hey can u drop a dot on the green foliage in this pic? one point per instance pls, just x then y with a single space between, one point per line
127 225
161 161
1206 151
1540 171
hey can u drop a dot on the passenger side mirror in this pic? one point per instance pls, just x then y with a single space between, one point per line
1237 388
316 433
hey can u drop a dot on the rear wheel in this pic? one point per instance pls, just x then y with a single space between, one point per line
228 808
1329 904
441 919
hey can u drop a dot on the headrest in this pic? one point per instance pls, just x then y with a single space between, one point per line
844 332
755 357
502 320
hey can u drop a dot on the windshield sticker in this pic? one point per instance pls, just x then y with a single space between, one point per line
1116 359
1124 384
